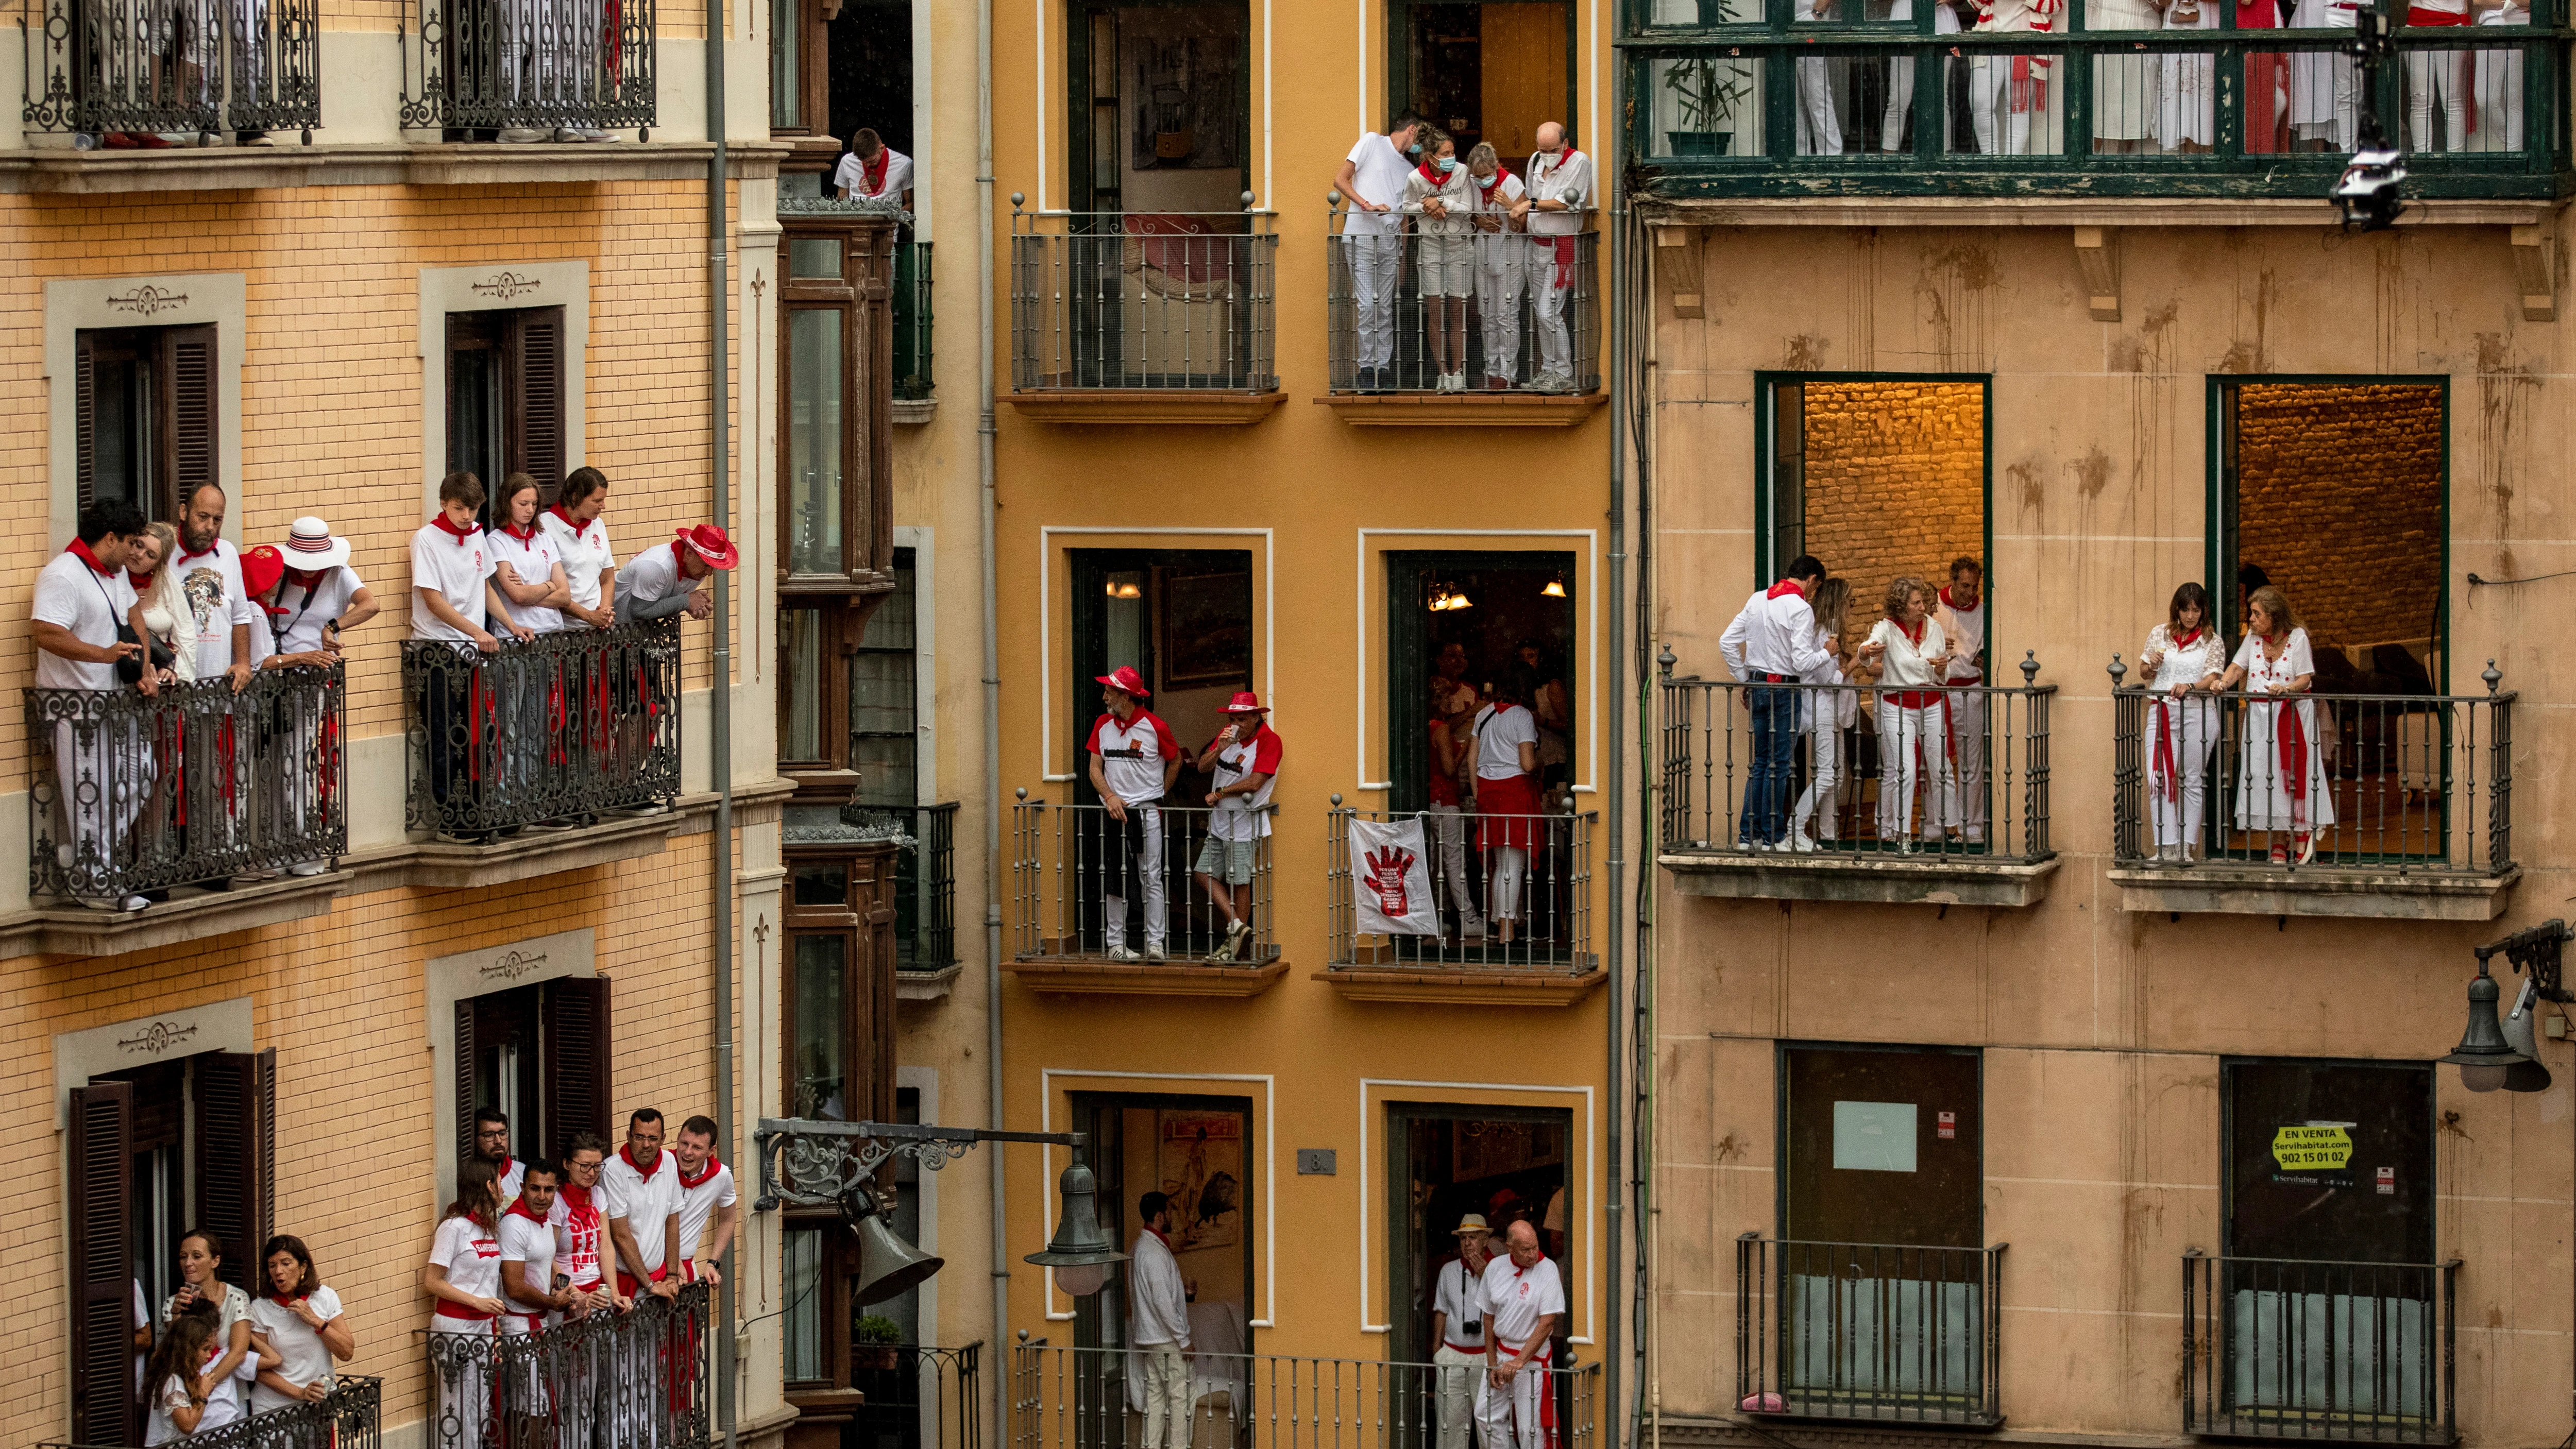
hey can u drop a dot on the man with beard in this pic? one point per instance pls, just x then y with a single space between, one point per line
214 755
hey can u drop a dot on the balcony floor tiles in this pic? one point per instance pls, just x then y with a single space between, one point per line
2377 892
1945 881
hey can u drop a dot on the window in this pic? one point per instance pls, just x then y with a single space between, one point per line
145 415
1183 620
1201 1153
835 345
1495 604
539 1053
1487 73
505 402
155 1151
846 690
1161 105
1450 1159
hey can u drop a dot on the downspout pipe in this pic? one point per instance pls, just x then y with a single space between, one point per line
992 662
1616 784
720 694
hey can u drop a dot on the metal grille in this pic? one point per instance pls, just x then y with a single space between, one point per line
2281 1349
348 1417
1530 874
1067 859
1868 1331
130 794
925 881
545 65
625 1378
1529 310
914 373
1103 300
2411 784
172 66
917 1397
551 730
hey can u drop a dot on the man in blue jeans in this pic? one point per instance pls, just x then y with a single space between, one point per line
1773 642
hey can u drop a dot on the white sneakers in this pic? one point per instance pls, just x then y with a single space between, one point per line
1121 953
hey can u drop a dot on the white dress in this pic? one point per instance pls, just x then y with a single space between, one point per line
2124 85
2187 83
2281 763
2181 734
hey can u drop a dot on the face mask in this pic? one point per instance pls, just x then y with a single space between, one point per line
1413 150
1445 165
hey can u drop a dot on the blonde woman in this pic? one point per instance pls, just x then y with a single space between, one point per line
2182 662
166 611
1909 652
1824 713
2281 781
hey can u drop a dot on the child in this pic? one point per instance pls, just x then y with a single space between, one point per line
184 1403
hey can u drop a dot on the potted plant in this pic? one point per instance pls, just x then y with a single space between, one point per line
875 1346
1706 92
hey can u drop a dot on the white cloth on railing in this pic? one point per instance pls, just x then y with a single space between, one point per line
1391 878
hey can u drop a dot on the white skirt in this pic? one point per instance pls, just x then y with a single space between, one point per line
2264 798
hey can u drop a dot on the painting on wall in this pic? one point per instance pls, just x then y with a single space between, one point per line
1198 1163
1184 99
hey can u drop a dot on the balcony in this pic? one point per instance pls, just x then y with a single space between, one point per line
1884 829
1743 102
2281 1349
1080 1398
925 893
554 754
560 70
194 69
1540 864
2394 806
627 1378
1535 362
1066 859
914 375
1134 317
1874 1331
348 1417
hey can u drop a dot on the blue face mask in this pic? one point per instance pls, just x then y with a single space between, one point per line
1413 150
1445 165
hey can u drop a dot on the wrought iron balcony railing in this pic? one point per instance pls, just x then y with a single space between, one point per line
129 794
1072 863
917 1396
1868 1331
1526 875
914 375
2407 784
570 69
105 69
348 1417
1740 98
638 1377
550 731
1505 311
925 881
2282 1349
1118 300
1957 775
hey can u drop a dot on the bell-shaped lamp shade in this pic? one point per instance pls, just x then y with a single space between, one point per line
2525 1076
888 1265
1081 1252
2484 1057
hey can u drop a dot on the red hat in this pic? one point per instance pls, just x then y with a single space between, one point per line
708 541
261 568
1126 681
1246 702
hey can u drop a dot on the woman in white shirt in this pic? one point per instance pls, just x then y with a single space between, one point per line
2183 659
1438 194
2281 783
464 1274
1506 753
528 570
1910 654
298 1328
163 599
200 1281
1825 714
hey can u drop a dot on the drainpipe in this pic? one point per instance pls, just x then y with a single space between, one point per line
984 435
1616 784
720 699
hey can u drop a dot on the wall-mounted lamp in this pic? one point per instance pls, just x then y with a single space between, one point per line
1448 598
2501 1052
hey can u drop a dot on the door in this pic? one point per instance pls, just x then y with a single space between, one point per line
1491 605
1487 72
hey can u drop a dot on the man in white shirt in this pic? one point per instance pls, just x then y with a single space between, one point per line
1560 192
451 599
1962 612
103 769
1242 764
1522 1298
1134 759
1458 1330
664 579
641 1185
528 1252
874 171
706 1195
492 1144
1773 641
1158 1324
215 768
1372 178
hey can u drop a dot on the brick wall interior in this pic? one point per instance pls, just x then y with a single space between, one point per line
2340 501
1895 483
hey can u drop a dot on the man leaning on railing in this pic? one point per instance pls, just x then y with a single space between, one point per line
1522 1297
1560 189
1773 641
82 598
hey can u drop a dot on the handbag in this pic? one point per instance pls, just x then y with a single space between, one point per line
129 667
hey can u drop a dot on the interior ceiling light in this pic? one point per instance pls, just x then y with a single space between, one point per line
1555 587
1117 590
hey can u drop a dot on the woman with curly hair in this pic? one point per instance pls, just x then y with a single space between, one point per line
1910 653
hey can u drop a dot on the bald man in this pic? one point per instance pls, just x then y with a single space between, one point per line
1522 1298
1560 192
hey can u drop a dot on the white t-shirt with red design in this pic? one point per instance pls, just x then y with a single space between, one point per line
577 1224
1132 754
472 1258
1516 1298
1246 817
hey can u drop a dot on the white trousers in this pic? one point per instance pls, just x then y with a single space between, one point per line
1510 1417
1453 825
104 781
1823 780
2429 72
1820 131
1376 262
2499 87
1989 90
1963 795
465 1418
1511 867
1547 302
1909 753
2182 735
1900 96
1167 1396
1455 1395
1498 312
1149 865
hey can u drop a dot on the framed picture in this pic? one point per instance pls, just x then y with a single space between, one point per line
1207 629
1198 1162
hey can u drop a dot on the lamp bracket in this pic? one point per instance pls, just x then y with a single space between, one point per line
2534 953
815 1163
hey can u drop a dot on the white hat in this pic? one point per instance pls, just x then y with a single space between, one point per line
310 546
1471 1223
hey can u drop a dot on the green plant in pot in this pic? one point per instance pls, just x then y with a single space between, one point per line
876 1338
1706 93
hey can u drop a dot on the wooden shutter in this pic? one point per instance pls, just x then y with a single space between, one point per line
85 414
871 988
236 1120
536 400
188 421
468 1053
577 1055
100 1186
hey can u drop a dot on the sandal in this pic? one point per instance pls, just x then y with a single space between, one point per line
2280 855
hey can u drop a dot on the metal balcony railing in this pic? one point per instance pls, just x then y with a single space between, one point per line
194 68
573 69
1868 1331
1088 1398
1958 774
917 1397
348 1417
1532 871
637 1378
2283 1349
1116 300
1071 862
197 783
925 881
914 375
550 731
1523 312
2415 784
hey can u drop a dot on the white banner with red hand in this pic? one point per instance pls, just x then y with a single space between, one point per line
1392 878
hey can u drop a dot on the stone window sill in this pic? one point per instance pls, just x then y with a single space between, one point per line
1463 409
1895 880
1147 406
1100 976
2368 893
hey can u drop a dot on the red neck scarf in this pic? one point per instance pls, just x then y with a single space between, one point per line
209 551
1948 602
1784 588
519 1209
628 1152
460 534
2185 641
875 171
713 1167
1431 174
83 552
569 521
142 583
1913 632
1161 1238
1487 189
526 535
576 1201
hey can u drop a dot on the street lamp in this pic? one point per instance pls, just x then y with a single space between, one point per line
2502 1052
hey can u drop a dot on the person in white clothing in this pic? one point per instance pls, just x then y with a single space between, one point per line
2325 85
641 1187
666 578
297 1328
1458 1331
1909 651
2187 82
1158 1324
2182 662
2498 82
492 1144
452 599
1961 609
201 1266
1900 72
707 1197
1823 714
321 598
2281 783
215 784
1504 743
1134 759
1560 196
464 1274
2437 77
1820 130
190 1397
527 1238
580 1237
531 698
871 170
2013 88
581 540
103 771
1242 765
1502 263
1436 195
1771 641
1523 1298
1372 180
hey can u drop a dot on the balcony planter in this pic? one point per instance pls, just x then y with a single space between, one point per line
1699 143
